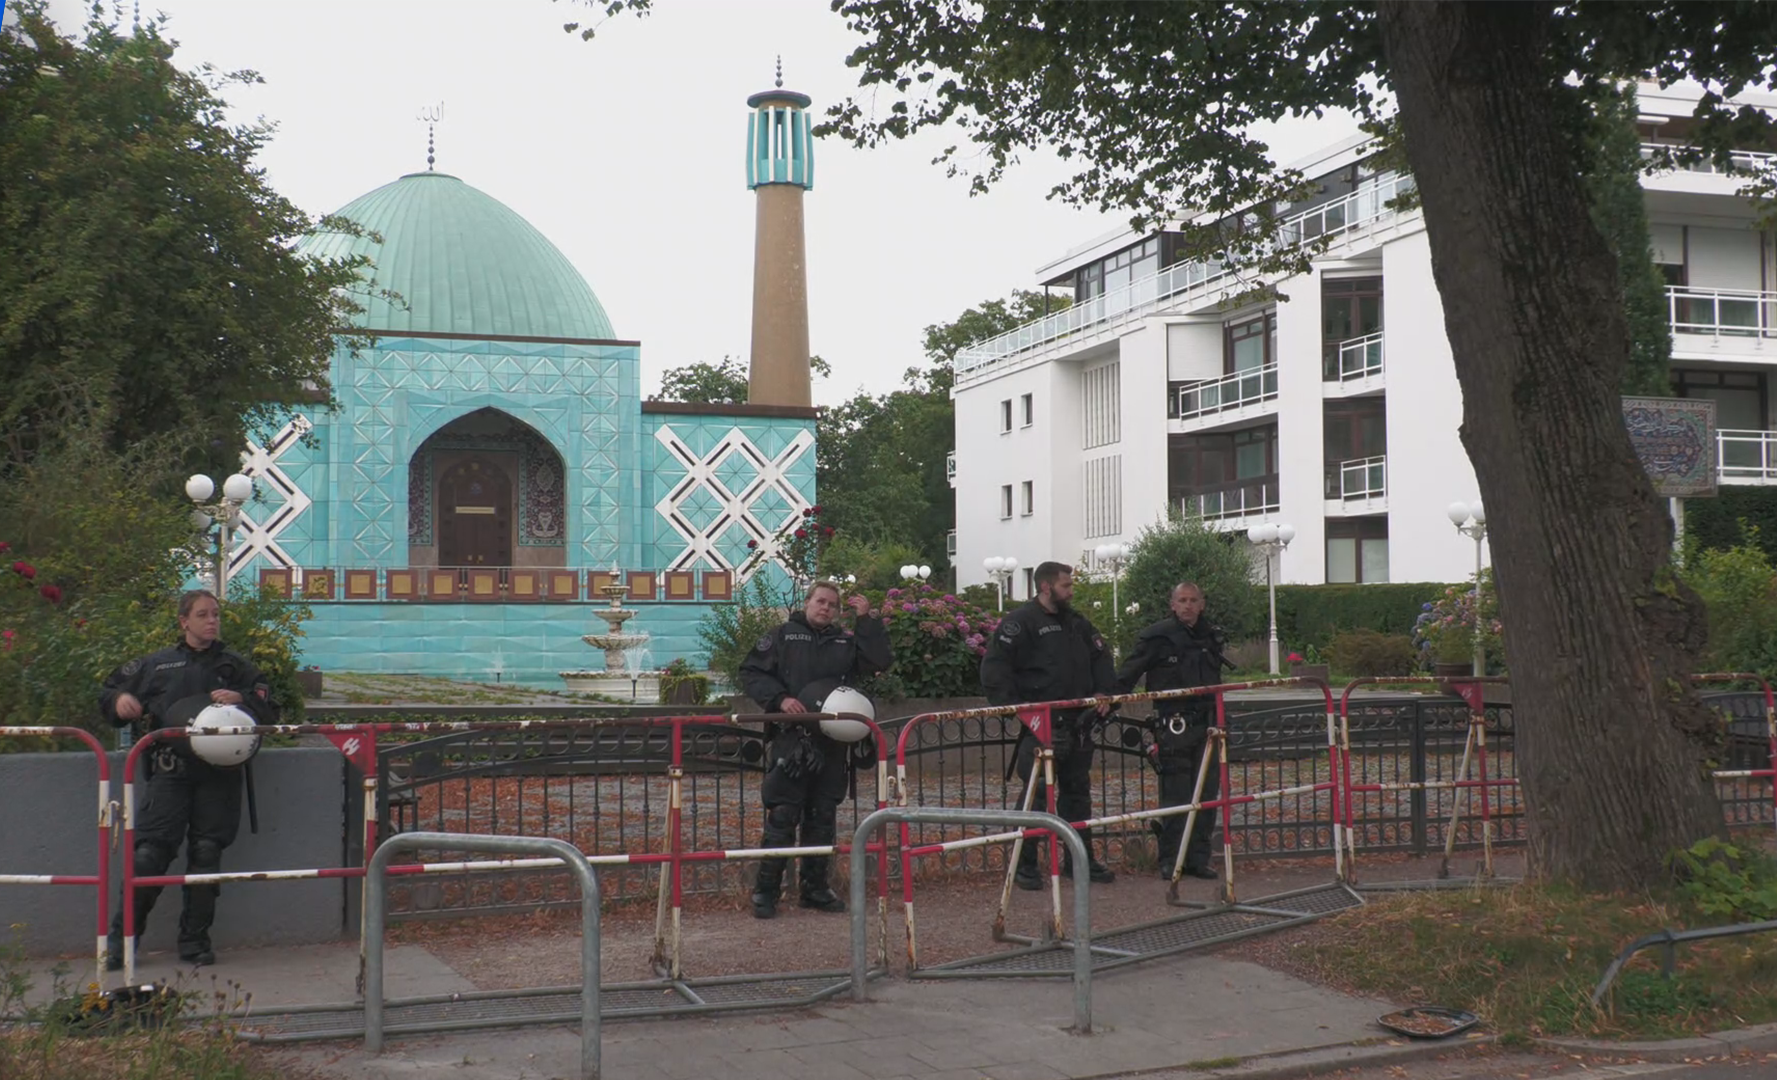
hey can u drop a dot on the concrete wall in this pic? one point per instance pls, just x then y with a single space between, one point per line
48 802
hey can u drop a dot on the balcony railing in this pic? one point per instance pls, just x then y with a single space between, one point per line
1361 478
1744 162
950 467
1241 500
1353 359
1228 392
1723 312
1746 455
1362 207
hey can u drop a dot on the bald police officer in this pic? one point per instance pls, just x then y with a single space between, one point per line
807 656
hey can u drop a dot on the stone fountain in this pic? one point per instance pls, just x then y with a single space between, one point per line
622 675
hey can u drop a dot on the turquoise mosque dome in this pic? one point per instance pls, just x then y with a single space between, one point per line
462 262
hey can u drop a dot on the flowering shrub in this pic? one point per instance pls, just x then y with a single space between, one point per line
797 547
1445 630
938 640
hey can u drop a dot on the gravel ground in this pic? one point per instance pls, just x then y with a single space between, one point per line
955 917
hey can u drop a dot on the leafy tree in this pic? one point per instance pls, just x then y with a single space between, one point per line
1153 103
147 270
1185 549
1620 209
986 320
705 384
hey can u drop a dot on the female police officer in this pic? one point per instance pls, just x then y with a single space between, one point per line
189 800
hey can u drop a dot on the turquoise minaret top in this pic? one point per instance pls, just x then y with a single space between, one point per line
780 146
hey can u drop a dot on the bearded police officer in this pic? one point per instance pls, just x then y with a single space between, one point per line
1044 650
1181 650
790 670
189 802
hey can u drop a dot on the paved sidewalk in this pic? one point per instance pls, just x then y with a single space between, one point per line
1171 1013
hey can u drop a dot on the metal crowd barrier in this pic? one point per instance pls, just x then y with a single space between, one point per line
1037 822
376 904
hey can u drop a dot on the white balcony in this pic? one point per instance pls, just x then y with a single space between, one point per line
1357 211
1241 396
950 467
1353 368
1726 324
1741 162
1746 457
1234 507
1357 487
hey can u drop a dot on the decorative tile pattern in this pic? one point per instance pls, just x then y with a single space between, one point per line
542 515
719 487
254 538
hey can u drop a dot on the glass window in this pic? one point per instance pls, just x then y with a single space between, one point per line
1374 564
1030 498
1251 344
1005 500
1006 415
1341 561
1029 410
1739 396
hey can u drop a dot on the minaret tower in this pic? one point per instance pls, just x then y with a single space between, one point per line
780 167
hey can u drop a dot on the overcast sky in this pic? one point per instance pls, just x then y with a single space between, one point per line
629 153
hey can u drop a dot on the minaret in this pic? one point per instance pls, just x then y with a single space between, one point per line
780 167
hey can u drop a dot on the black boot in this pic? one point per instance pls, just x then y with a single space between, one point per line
1028 877
766 887
816 893
114 945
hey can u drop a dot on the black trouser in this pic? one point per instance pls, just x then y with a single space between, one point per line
807 805
192 804
1180 756
1073 779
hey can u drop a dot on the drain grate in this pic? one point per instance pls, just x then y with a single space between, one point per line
552 1005
1164 937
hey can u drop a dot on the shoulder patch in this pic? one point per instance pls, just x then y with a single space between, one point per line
1098 642
131 668
1011 628
763 644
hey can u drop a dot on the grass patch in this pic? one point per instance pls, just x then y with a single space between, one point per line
1527 958
79 1034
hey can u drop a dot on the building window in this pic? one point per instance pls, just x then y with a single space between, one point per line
1116 271
1350 308
1252 344
1005 501
1739 396
1101 402
1029 496
1353 429
1005 416
1030 582
1102 504
1029 407
1357 550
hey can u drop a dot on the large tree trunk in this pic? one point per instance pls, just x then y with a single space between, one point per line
1611 739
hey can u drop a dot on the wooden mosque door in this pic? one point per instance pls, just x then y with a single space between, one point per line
475 515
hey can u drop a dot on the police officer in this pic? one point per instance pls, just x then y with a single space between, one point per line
1044 650
189 801
1179 651
789 671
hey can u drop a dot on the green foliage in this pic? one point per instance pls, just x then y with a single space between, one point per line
938 640
1368 654
678 680
705 384
148 271
730 630
1310 616
798 548
1738 588
266 628
1185 549
1727 881
1445 630
1721 522
1619 209
876 566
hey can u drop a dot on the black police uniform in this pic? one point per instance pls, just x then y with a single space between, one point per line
806 780
189 801
1173 656
1037 656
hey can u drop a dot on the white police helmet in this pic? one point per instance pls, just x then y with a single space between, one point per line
223 749
845 699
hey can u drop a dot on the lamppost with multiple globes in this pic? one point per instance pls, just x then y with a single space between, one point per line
224 513
915 573
1272 539
1114 556
1001 567
1470 520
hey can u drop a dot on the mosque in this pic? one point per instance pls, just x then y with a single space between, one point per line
490 465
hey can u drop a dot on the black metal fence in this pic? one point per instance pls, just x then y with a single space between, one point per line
605 789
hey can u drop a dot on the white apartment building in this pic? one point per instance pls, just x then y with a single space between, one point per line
1336 411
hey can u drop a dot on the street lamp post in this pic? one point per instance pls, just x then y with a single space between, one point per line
1001 568
1114 556
1272 539
915 573
225 513
1470 520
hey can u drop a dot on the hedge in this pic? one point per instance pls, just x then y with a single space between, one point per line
1309 615
1714 524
